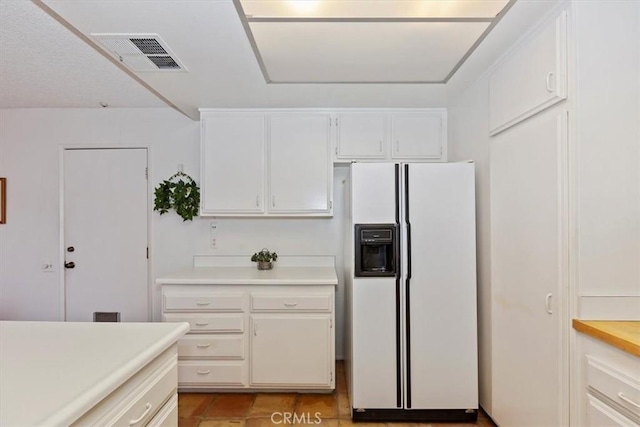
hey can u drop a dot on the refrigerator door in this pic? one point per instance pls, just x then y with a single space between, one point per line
375 355
440 295
375 301
373 193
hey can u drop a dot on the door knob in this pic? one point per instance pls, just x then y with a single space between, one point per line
71 249
70 264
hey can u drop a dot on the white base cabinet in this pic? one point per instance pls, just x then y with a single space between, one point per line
288 349
609 394
254 336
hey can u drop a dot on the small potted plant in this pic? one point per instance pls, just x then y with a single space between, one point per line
265 259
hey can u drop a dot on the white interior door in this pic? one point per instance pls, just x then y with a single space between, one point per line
528 271
105 233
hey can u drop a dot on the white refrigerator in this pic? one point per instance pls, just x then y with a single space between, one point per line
412 330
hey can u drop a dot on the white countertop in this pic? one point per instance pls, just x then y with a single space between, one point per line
51 373
252 276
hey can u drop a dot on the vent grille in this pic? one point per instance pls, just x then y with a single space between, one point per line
164 62
149 46
140 52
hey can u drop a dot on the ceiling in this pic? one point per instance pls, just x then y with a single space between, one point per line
49 57
355 41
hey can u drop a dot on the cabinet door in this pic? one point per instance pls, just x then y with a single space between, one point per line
300 171
361 136
530 79
529 272
233 164
417 135
291 350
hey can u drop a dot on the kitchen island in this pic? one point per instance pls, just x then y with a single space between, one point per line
254 329
66 373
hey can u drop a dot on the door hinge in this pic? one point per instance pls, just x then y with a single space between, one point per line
330 204
146 173
330 323
336 151
147 252
331 376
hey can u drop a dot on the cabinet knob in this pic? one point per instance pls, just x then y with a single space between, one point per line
70 264
273 201
71 249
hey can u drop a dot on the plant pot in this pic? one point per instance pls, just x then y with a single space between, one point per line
265 265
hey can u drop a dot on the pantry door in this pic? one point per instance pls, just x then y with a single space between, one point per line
105 213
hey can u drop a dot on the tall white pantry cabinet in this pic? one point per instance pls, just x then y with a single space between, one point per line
563 132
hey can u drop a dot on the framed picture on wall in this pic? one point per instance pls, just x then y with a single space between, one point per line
3 200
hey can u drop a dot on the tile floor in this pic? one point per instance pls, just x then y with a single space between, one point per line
255 409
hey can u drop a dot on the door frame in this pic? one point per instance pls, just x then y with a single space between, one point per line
61 229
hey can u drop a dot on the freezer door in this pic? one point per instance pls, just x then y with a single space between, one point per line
373 193
374 344
440 295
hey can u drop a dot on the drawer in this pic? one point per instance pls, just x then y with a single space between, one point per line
600 414
211 347
613 383
145 405
206 301
209 322
140 397
316 303
168 415
192 373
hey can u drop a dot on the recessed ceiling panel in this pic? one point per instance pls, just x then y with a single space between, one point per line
373 9
363 52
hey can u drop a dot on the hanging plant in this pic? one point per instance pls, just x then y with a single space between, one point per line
180 193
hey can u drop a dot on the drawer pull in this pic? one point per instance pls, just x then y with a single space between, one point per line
207 372
629 401
141 417
203 345
202 324
290 304
202 304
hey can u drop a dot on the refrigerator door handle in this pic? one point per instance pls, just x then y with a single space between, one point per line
398 345
407 289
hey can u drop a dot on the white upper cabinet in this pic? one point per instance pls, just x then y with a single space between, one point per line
418 135
233 164
263 163
391 135
532 78
300 171
361 135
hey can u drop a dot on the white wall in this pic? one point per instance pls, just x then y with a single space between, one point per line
29 158
468 123
607 150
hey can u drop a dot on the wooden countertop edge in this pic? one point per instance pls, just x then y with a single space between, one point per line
609 338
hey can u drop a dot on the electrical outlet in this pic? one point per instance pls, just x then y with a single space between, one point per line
213 234
47 267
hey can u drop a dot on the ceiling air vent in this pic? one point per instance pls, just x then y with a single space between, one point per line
140 52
